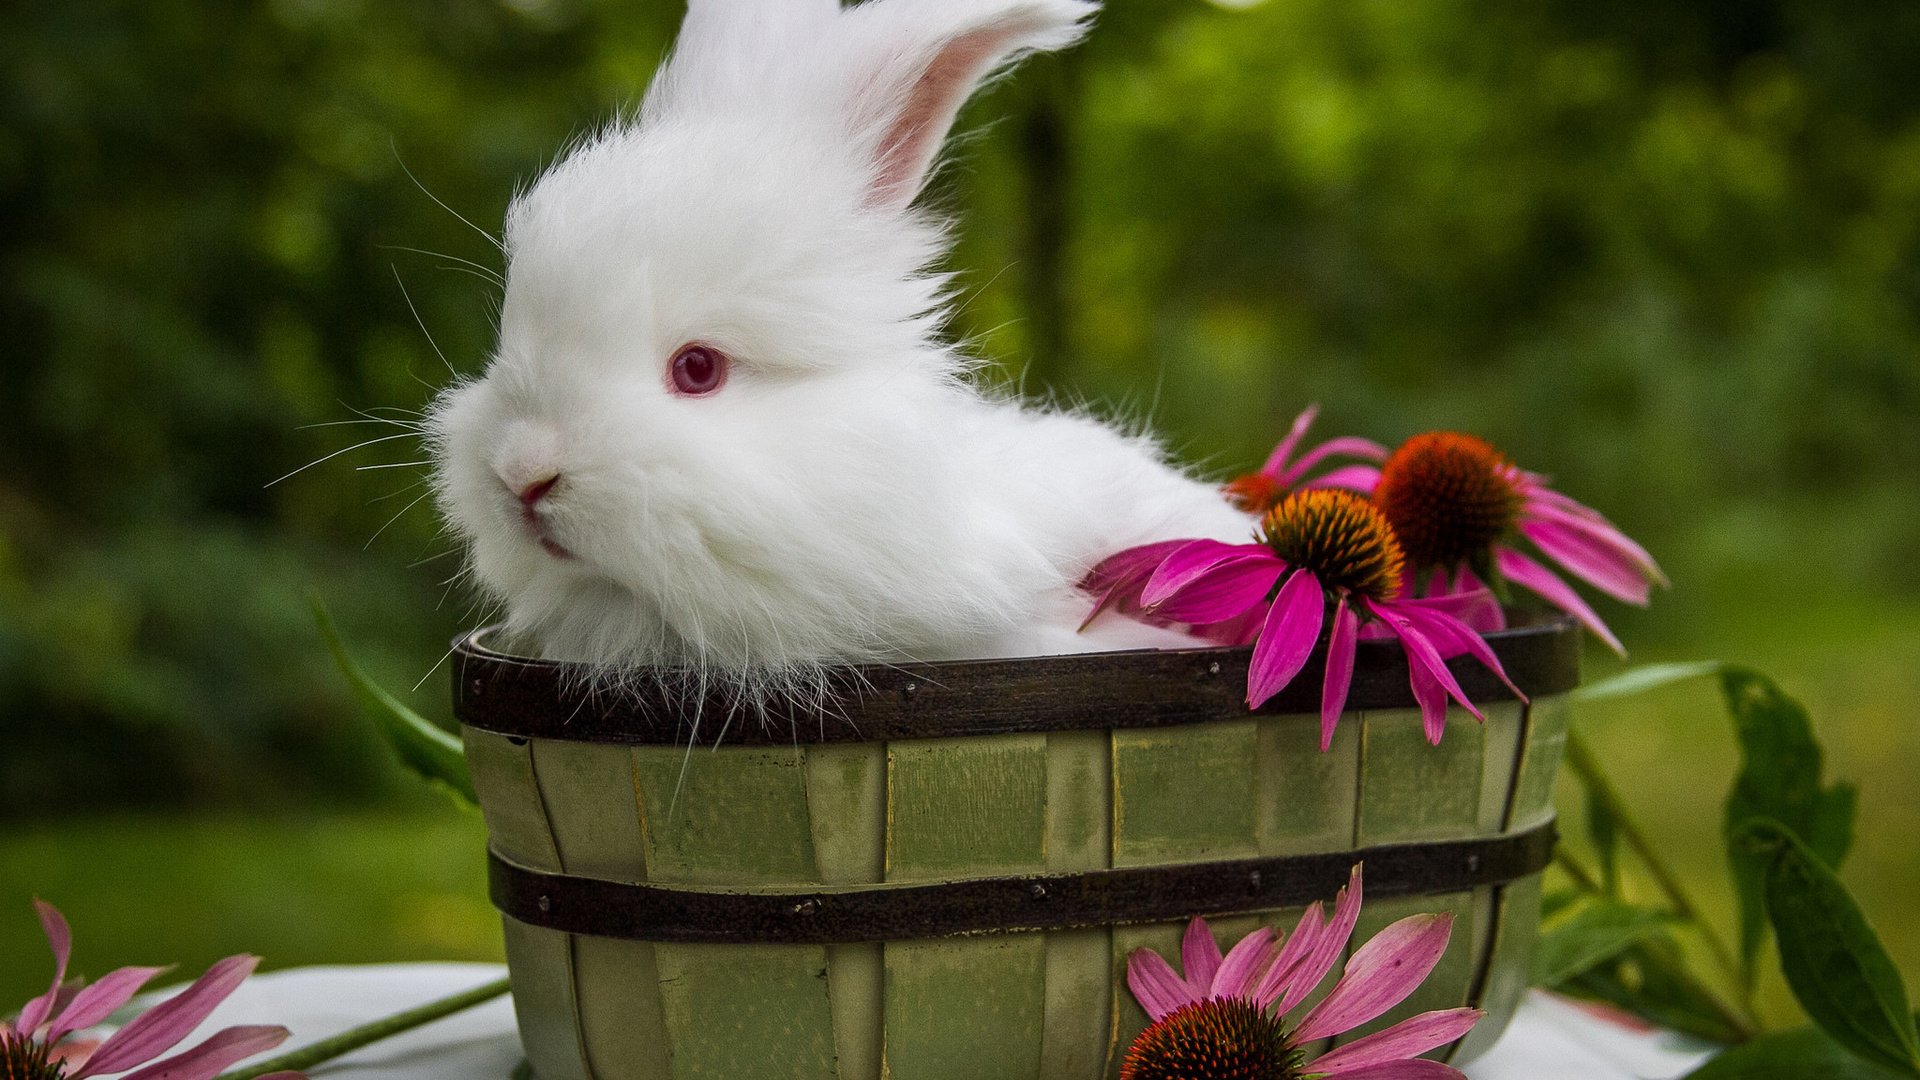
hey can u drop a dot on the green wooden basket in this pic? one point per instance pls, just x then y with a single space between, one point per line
938 874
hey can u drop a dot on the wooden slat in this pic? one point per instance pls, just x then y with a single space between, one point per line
587 789
733 816
1305 799
1129 1018
965 1008
1076 1028
856 987
736 1011
847 803
540 963
966 807
1516 926
1546 741
1410 790
502 771
594 817
622 1017
1502 746
1185 795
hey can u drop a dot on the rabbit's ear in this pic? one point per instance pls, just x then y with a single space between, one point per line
736 55
919 62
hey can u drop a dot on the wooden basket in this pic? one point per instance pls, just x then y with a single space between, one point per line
939 876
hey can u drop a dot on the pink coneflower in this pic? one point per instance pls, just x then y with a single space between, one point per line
1321 548
1256 492
1225 1018
36 1045
1456 503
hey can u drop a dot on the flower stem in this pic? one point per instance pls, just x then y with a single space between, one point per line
354 1038
1582 877
1581 760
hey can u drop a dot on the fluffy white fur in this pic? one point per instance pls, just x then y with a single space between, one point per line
848 495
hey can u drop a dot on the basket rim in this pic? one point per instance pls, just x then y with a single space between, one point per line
527 698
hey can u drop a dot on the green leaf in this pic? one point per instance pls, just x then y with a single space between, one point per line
1603 830
1596 933
1833 961
1556 901
1646 677
1650 980
1802 1054
432 753
1779 779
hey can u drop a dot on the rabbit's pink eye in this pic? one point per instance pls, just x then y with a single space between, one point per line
697 370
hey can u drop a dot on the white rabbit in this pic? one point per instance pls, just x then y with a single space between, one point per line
722 432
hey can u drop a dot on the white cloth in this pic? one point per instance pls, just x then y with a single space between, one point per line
1550 1039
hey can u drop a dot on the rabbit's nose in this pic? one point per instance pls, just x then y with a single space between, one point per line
532 493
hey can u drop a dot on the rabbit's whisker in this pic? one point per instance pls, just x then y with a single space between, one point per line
491 239
422 323
337 453
394 518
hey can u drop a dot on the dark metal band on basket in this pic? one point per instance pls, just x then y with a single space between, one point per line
534 699
1050 902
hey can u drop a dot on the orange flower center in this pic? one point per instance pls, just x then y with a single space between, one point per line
1448 497
1338 535
25 1059
1215 1039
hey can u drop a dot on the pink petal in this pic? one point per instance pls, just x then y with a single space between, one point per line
1432 698
1134 560
1200 955
1241 630
1477 609
1421 652
1277 461
206 1060
1245 962
1408 1038
1287 638
1339 677
1154 984
1191 560
1227 589
160 1028
1116 581
1380 975
1597 528
60 940
1360 478
1327 945
1526 573
1605 570
97 1002
1410 1069
1346 445
1453 637
1280 974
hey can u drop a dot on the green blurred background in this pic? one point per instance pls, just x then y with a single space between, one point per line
1667 252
